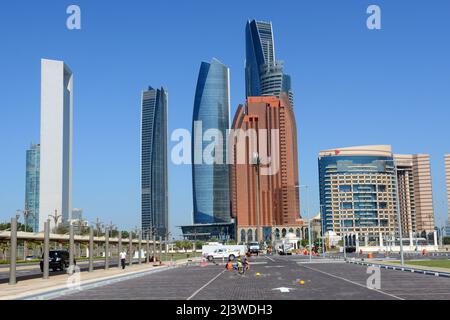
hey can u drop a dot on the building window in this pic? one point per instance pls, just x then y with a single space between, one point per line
250 235
346 205
243 236
345 188
277 234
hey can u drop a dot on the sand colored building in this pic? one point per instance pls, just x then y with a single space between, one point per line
415 193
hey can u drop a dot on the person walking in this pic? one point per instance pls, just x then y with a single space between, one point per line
123 259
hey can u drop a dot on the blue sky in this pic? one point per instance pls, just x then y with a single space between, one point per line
352 86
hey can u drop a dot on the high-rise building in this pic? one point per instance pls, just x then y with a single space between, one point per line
154 199
210 177
264 170
32 187
447 180
263 73
357 190
56 142
415 194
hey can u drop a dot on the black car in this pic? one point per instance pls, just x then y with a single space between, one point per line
58 259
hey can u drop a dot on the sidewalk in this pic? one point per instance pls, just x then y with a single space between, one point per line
434 271
36 287
414 266
40 287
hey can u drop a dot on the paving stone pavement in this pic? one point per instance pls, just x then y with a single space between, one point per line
337 281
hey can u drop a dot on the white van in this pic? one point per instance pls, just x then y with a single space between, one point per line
225 252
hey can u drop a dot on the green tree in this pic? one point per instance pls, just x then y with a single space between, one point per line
61 229
199 244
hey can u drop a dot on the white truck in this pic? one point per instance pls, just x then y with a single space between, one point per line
223 252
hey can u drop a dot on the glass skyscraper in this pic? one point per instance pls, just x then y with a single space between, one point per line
263 73
33 156
154 200
211 193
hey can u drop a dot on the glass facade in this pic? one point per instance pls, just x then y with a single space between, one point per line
154 201
33 156
357 192
211 193
209 232
263 74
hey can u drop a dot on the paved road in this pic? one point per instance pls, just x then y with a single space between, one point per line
323 280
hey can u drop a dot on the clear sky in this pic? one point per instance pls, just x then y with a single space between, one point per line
352 86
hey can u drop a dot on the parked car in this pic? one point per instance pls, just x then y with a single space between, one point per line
253 248
58 259
30 258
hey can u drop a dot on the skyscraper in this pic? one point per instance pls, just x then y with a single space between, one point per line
210 177
263 73
154 198
56 142
415 193
32 187
265 194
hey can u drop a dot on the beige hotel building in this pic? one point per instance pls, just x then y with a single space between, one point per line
357 191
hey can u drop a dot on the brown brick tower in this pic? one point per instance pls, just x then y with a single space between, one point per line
266 126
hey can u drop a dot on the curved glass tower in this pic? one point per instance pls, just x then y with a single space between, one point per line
211 115
263 73
154 201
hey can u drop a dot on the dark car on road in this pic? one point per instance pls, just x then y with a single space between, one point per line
58 260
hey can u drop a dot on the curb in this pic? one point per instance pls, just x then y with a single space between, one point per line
406 269
94 284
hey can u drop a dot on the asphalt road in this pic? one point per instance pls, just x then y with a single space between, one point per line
272 278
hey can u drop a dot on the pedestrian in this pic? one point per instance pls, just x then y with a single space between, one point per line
123 258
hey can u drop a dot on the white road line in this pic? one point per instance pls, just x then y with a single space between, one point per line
207 284
273 260
356 283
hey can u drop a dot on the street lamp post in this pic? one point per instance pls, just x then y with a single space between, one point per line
55 217
309 221
257 165
322 229
397 200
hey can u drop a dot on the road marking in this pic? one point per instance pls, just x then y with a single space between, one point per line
207 284
273 260
355 283
283 290
274 266
258 263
